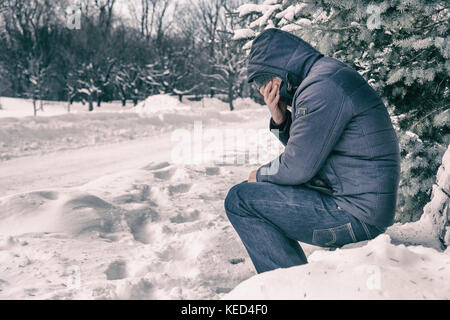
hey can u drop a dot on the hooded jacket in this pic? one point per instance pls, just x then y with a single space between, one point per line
339 138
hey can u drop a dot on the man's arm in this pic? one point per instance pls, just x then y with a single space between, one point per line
283 129
312 136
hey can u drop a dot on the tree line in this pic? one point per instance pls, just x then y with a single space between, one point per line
116 57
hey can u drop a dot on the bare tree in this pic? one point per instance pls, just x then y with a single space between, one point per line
105 8
151 16
36 73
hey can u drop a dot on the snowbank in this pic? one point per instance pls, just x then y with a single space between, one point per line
18 108
377 270
161 103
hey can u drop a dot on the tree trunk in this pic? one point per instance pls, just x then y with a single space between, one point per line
437 233
230 97
124 102
91 105
34 107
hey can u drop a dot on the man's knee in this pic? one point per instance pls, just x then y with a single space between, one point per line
234 197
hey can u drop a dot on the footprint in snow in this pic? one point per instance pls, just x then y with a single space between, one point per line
180 188
157 166
212 171
164 174
186 217
236 260
116 270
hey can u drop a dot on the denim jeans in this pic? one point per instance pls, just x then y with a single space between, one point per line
271 218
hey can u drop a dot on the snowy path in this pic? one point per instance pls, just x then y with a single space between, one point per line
72 168
119 221
75 167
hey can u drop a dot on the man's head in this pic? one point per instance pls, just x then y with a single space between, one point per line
284 55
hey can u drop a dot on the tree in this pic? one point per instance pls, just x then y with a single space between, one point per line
36 73
219 66
86 86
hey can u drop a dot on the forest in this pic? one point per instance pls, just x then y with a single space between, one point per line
96 51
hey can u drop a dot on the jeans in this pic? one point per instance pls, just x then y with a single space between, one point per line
271 218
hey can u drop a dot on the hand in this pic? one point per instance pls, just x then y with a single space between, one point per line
252 177
277 107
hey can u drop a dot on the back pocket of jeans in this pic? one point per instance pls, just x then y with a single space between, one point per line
334 237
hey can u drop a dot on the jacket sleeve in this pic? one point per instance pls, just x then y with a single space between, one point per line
283 130
312 136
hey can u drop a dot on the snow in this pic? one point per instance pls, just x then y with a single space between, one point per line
376 270
55 129
118 220
243 34
291 27
267 13
248 8
161 103
19 108
95 206
266 9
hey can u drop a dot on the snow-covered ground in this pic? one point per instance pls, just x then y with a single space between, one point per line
376 269
98 206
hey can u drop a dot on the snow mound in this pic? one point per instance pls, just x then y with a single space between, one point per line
73 212
377 270
160 103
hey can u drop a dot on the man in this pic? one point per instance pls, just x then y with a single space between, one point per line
336 181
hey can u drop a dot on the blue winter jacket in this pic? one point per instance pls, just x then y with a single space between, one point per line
339 138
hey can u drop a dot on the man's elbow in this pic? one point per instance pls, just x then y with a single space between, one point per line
292 179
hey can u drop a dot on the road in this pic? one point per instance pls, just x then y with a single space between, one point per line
76 167
71 168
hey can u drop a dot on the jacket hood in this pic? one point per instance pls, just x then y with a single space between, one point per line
281 53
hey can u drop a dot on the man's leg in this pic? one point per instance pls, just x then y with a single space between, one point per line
270 218
267 245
